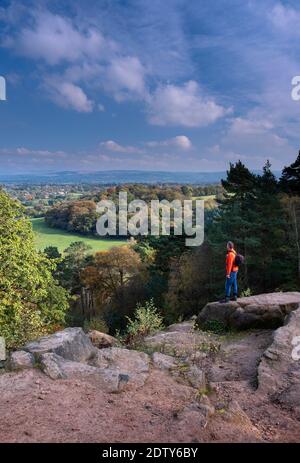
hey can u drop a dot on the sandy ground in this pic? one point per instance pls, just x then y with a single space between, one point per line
35 408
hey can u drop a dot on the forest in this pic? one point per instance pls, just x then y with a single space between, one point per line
260 213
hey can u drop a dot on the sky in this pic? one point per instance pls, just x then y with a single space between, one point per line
176 85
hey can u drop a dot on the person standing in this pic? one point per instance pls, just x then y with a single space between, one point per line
231 273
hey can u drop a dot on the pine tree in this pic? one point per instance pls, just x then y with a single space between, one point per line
290 178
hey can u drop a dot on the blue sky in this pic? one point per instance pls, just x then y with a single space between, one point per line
162 85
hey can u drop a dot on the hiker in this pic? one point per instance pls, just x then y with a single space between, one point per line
231 273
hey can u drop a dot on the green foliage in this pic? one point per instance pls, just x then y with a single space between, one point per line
215 326
246 292
147 321
31 303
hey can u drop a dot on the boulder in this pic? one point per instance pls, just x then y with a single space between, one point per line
71 344
262 311
132 365
279 368
196 377
57 367
20 360
164 362
102 340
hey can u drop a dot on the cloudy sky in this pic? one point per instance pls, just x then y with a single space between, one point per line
186 85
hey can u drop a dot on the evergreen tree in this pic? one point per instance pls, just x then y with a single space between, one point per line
290 178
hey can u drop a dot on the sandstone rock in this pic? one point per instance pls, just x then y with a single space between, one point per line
193 416
196 377
102 340
278 371
185 326
180 343
165 362
132 365
262 311
20 360
57 367
71 343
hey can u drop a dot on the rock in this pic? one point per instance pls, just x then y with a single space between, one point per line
165 362
57 367
196 377
279 369
133 365
71 344
102 340
180 343
262 311
234 414
185 326
193 416
20 360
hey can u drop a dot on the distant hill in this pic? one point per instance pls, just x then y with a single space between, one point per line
111 177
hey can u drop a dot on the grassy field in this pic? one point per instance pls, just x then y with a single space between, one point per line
46 236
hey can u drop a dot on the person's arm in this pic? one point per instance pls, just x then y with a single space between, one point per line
229 263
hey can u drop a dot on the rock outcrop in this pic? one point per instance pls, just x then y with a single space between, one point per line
70 354
279 368
71 344
102 340
21 360
262 311
132 365
57 367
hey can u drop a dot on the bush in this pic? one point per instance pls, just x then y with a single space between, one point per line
146 321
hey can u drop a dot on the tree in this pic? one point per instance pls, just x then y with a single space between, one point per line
52 252
31 303
290 178
76 257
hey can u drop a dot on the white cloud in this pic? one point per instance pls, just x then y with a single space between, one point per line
125 77
285 18
68 95
244 126
54 39
184 105
181 141
111 145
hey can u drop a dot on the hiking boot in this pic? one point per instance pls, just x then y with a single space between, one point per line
224 301
234 298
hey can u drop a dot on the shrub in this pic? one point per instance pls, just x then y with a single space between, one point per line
147 321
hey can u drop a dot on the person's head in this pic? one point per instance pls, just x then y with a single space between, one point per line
230 246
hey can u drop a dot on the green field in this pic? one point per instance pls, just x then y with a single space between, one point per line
46 236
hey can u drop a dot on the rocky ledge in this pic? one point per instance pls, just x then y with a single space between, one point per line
184 383
262 311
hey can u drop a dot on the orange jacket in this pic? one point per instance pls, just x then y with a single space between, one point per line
229 262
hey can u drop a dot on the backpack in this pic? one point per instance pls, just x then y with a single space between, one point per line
239 260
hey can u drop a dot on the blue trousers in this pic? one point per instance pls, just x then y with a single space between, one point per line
232 281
